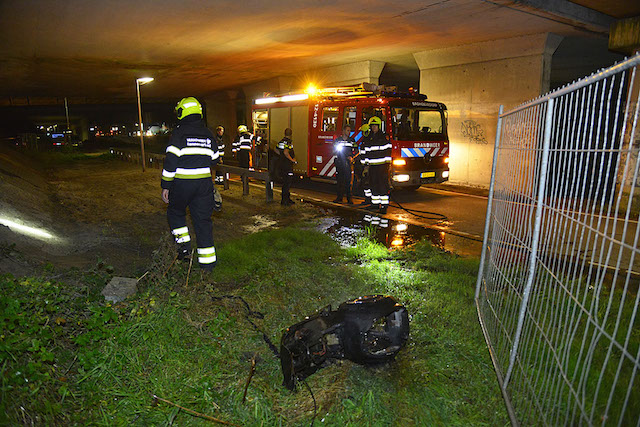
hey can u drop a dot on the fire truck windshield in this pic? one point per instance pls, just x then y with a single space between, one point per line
415 124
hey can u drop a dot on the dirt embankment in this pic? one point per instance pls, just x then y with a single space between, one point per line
99 208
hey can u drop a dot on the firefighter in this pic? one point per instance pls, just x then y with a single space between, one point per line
378 155
358 166
258 143
343 149
287 160
220 143
365 142
186 182
242 146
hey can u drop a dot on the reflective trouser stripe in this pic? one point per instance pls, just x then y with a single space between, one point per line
375 200
207 255
384 200
367 192
181 234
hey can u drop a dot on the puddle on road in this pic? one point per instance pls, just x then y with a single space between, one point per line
346 229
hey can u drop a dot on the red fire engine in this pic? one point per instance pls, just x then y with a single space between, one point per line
417 129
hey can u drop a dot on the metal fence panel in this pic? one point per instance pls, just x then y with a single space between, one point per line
558 287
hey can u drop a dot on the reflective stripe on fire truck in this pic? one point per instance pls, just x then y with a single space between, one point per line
421 152
207 255
181 234
330 166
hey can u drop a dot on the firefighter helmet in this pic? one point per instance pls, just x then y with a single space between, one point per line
188 106
242 129
220 128
365 129
375 120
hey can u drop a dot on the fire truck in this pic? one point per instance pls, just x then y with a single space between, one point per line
416 128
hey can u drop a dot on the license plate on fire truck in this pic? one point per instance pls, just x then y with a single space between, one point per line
427 174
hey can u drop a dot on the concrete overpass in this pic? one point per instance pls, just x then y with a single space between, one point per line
473 55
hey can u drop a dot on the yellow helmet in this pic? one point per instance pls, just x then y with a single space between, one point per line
188 106
375 120
242 129
365 129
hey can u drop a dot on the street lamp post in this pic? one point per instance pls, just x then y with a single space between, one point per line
139 82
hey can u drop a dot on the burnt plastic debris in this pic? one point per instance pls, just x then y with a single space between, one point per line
369 330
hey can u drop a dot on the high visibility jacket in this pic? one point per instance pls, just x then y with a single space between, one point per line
377 149
285 163
242 142
191 152
220 144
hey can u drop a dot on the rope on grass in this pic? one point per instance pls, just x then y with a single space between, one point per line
255 314
197 414
315 408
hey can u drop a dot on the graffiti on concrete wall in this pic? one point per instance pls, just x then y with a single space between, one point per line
472 130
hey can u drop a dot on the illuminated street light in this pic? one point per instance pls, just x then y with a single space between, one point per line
139 82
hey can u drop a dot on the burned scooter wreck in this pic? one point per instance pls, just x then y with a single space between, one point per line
368 330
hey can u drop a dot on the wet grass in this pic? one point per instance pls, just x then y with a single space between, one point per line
68 358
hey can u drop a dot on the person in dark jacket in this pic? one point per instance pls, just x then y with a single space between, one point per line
378 155
343 149
242 146
186 182
221 146
287 160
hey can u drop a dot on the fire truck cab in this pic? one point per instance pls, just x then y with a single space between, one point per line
416 128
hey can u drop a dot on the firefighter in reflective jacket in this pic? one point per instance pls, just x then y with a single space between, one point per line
343 150
365 180
378 157
242 146
287 160
186 182
220 144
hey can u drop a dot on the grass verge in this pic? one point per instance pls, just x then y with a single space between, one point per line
67 358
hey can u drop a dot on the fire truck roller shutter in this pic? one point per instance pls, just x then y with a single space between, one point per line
279 121
300 127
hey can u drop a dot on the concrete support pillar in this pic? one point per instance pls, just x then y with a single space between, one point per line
624 38
221 110
473 81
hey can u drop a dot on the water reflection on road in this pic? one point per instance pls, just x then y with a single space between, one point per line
347 227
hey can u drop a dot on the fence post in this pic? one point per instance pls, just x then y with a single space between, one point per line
245 184
534 240
489 203
269 188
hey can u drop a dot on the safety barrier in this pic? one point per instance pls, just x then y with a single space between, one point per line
558 285
157 160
